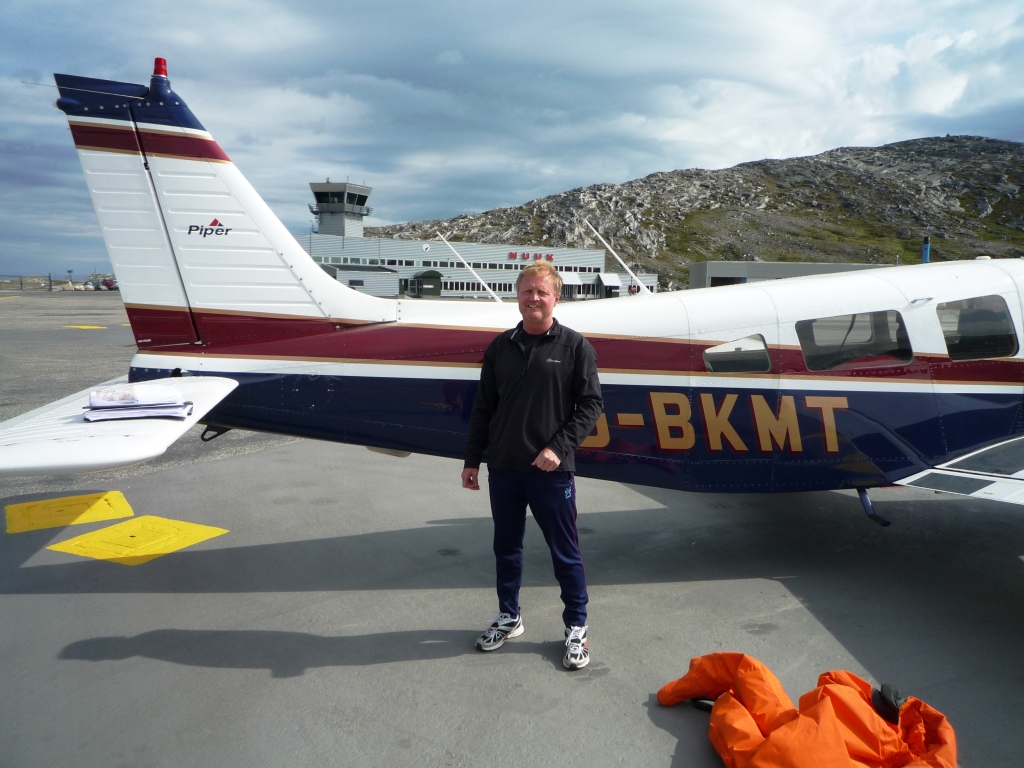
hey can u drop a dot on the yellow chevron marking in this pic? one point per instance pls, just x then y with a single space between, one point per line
138 541
67 510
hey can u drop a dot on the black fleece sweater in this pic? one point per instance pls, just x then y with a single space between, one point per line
546 395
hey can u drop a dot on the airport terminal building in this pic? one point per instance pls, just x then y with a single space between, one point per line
419 268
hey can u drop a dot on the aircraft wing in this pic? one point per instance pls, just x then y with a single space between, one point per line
996 473
55 440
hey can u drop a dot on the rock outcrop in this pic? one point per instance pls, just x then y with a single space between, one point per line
864 204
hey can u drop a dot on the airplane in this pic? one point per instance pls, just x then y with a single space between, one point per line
907 375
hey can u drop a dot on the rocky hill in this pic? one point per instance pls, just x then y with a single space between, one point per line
862 204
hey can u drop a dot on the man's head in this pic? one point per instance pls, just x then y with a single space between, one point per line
539 287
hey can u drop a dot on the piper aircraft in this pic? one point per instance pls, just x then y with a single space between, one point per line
909 375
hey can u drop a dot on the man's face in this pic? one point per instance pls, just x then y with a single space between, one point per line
537 299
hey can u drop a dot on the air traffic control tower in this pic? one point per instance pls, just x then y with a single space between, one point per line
340 208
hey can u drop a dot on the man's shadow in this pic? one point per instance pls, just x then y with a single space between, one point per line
290 654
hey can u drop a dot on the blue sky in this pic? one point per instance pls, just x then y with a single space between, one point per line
459 107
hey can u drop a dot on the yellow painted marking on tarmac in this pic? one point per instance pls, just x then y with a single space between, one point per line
138 541
88 327
126 325
4 298
68 510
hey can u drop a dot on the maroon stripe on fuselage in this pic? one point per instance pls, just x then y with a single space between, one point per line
159 326
221 328
321 339
1008 371
90 136
790 362
376 342
181 145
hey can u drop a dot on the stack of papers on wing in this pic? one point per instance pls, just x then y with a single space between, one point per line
136 401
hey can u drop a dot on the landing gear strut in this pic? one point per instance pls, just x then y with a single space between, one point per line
869 510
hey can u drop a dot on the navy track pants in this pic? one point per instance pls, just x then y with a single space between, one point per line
551 497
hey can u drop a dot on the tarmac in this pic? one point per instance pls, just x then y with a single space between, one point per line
333 625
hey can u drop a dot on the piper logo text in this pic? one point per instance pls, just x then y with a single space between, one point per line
214 228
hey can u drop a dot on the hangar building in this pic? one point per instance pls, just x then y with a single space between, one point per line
420 268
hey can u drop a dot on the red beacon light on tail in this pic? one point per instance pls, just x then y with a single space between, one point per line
159 85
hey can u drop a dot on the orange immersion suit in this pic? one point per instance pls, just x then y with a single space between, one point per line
755 725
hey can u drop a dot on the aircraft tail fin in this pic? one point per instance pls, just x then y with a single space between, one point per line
199 256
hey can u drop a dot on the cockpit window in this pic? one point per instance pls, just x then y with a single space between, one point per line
976 329
747 355
864 340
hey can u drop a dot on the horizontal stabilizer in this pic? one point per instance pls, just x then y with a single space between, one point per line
995 472
56 440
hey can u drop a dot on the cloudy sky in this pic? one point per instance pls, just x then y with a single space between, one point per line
453 107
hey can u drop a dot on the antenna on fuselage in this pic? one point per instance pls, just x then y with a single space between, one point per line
641 287
466 264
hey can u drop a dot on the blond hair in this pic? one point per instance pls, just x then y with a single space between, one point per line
542 269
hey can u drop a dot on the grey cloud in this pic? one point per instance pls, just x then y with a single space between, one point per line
466 107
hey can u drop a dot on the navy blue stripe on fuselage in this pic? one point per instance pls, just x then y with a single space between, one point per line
878 437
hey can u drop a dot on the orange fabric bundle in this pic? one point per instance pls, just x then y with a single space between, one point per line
755 725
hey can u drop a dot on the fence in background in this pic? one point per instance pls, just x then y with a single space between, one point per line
26 283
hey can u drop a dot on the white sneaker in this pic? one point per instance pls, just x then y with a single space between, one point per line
503 628
577 652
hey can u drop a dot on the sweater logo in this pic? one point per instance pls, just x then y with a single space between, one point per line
552 360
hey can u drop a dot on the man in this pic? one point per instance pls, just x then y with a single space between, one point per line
539 398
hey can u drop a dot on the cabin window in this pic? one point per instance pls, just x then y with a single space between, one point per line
747 355
976 329
864 340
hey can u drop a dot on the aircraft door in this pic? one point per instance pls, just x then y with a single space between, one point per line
734 390
977 381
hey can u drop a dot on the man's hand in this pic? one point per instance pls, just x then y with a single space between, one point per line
547 460
471 479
